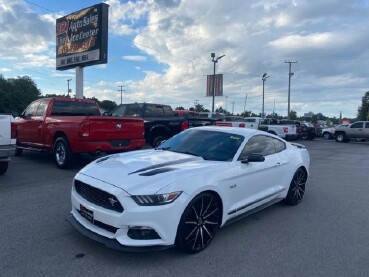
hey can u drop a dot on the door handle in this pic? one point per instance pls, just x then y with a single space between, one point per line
277 164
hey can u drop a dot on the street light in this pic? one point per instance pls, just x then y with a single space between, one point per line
264 79
214 61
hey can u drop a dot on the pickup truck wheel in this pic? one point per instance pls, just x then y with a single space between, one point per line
304 136
3 167
326 135
18 152
341 137
158 140
62 153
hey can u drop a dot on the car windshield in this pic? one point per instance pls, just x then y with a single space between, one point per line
210 145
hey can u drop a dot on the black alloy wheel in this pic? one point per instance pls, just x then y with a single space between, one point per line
198 224
297 187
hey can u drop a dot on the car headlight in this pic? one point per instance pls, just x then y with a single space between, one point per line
156 199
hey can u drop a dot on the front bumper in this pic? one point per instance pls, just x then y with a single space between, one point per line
7 151
112 243
112 227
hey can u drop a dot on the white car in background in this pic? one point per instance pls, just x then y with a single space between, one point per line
181 192
328 133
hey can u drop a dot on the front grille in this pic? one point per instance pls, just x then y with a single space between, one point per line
98 197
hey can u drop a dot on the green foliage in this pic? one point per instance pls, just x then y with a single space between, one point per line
363 110
180 108
17 93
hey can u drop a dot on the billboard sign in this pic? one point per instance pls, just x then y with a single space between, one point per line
218 85
82 38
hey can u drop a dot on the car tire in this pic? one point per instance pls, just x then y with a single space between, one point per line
3 167
326 135
341 137
158 140
18 152
304 136
62 153
199 222
296 190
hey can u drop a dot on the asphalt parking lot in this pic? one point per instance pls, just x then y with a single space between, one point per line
326 235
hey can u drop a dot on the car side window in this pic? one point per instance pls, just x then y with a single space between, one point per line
31 109
41 108
168 111
133 110
357 125
367 125
258 144
119 111
279 145
154 111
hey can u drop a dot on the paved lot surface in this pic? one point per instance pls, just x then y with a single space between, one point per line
326 235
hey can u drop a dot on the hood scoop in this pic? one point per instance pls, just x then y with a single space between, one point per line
157 171
158 166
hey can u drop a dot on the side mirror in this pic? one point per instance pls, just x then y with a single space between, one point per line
254 158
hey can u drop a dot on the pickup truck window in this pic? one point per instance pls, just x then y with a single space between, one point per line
41 108
133 110
154 111
74 108
357 125
168 111
367 125
31 109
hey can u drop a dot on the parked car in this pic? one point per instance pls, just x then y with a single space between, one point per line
328 133
194 119
285 130
305 130
68 126
358 130
160 120
7 141
181 192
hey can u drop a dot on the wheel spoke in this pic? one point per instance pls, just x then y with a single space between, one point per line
207 231
193 208
194 242
194 229
211 222
207 216
191 222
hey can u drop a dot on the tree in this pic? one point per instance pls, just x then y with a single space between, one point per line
180 108
17 93
363 110
107 105
293 115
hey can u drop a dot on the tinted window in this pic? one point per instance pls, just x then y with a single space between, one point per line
154 111
357 125
71 108
279 145
133 110
367 125
41 108
210 145
258 145
119 111
168 111
31 109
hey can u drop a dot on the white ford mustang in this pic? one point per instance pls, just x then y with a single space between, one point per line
183 191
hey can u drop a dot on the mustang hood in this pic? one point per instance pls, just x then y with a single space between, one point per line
143 172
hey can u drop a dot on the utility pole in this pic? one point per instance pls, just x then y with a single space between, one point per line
121 94
290 74
68 86
244 107
264 79
226 97
232 107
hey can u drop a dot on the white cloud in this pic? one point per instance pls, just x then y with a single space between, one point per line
135 58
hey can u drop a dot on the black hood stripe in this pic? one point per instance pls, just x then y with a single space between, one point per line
166 164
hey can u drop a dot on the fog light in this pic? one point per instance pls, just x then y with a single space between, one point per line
142 233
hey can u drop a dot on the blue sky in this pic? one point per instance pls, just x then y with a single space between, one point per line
159 50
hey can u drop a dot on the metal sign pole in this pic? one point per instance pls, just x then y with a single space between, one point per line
79 82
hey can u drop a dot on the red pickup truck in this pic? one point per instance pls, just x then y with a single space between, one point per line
68 126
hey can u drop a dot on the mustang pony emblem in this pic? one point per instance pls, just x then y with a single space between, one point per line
119 125
112 201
